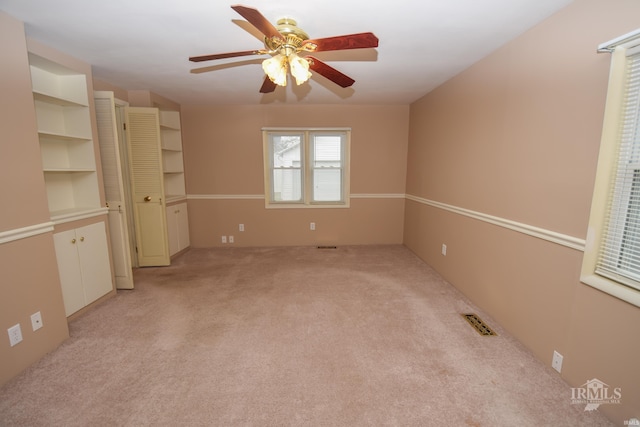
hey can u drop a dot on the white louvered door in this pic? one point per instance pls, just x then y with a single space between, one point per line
114 188
145 161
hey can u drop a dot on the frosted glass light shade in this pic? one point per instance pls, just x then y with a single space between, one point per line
276 69
299 68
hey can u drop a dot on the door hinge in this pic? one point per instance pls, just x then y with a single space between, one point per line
124 126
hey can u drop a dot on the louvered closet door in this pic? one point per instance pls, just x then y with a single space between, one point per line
145 158
114 188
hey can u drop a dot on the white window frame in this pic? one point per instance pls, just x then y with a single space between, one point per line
619 287
307 200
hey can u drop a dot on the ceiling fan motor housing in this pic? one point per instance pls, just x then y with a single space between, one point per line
293 37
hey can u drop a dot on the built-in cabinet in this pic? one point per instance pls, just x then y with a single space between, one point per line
83 264
177 227
172 161
66 142
68 152
174 185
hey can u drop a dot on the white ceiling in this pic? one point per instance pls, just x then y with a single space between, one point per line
145 44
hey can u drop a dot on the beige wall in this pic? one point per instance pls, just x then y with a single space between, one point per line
516 136
223 157
29 281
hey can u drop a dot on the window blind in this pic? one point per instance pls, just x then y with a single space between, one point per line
619 257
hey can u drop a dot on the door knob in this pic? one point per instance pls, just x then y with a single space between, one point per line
147 198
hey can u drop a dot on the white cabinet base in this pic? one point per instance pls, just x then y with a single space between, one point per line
178 228
83 264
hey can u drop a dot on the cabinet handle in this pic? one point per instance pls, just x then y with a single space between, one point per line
82 239
73 241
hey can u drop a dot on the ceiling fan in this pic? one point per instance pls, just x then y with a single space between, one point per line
285 42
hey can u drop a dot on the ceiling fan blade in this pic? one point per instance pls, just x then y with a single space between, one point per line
258 20
329 72
349 41
267 86
226 55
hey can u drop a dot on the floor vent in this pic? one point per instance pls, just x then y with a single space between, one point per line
478 324
327 247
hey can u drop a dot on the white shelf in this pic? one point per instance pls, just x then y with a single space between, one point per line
58 137
170 120
56 83
66 138
172 159
53 99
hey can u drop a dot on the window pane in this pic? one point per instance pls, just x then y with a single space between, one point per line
287 185
327 185
629 261
327 168
327 151
287 151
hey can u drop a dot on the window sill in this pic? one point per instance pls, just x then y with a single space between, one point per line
612 288
306 206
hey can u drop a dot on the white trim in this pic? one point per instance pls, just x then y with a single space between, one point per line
379 196
24 232
76 216
609 46
605 172
261 196
540 233
302 129
225 197
612 288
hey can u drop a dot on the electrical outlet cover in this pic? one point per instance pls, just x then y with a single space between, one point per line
15 334
556 362
36 321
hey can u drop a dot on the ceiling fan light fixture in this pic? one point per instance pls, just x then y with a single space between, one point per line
299 68
276 69
285 41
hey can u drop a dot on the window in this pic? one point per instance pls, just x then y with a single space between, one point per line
612 253
306 167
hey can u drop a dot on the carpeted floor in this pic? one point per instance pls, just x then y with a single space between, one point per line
294 336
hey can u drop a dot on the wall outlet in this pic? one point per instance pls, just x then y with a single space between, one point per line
15 334
444 249
224 239
231 239
312 226
36 321
556 362
240 227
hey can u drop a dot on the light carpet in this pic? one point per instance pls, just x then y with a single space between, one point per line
290 336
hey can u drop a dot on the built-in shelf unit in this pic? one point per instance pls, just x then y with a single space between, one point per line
66 140
172 160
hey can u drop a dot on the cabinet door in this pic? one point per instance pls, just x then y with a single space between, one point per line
172 229
66 246
183 226
143 136
95 267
